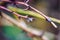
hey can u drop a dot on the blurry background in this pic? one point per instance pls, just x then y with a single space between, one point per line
50 8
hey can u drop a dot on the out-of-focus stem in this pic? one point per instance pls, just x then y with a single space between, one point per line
22 25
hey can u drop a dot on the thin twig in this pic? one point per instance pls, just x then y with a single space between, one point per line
1 7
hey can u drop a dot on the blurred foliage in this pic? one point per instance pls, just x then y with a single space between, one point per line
15 33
